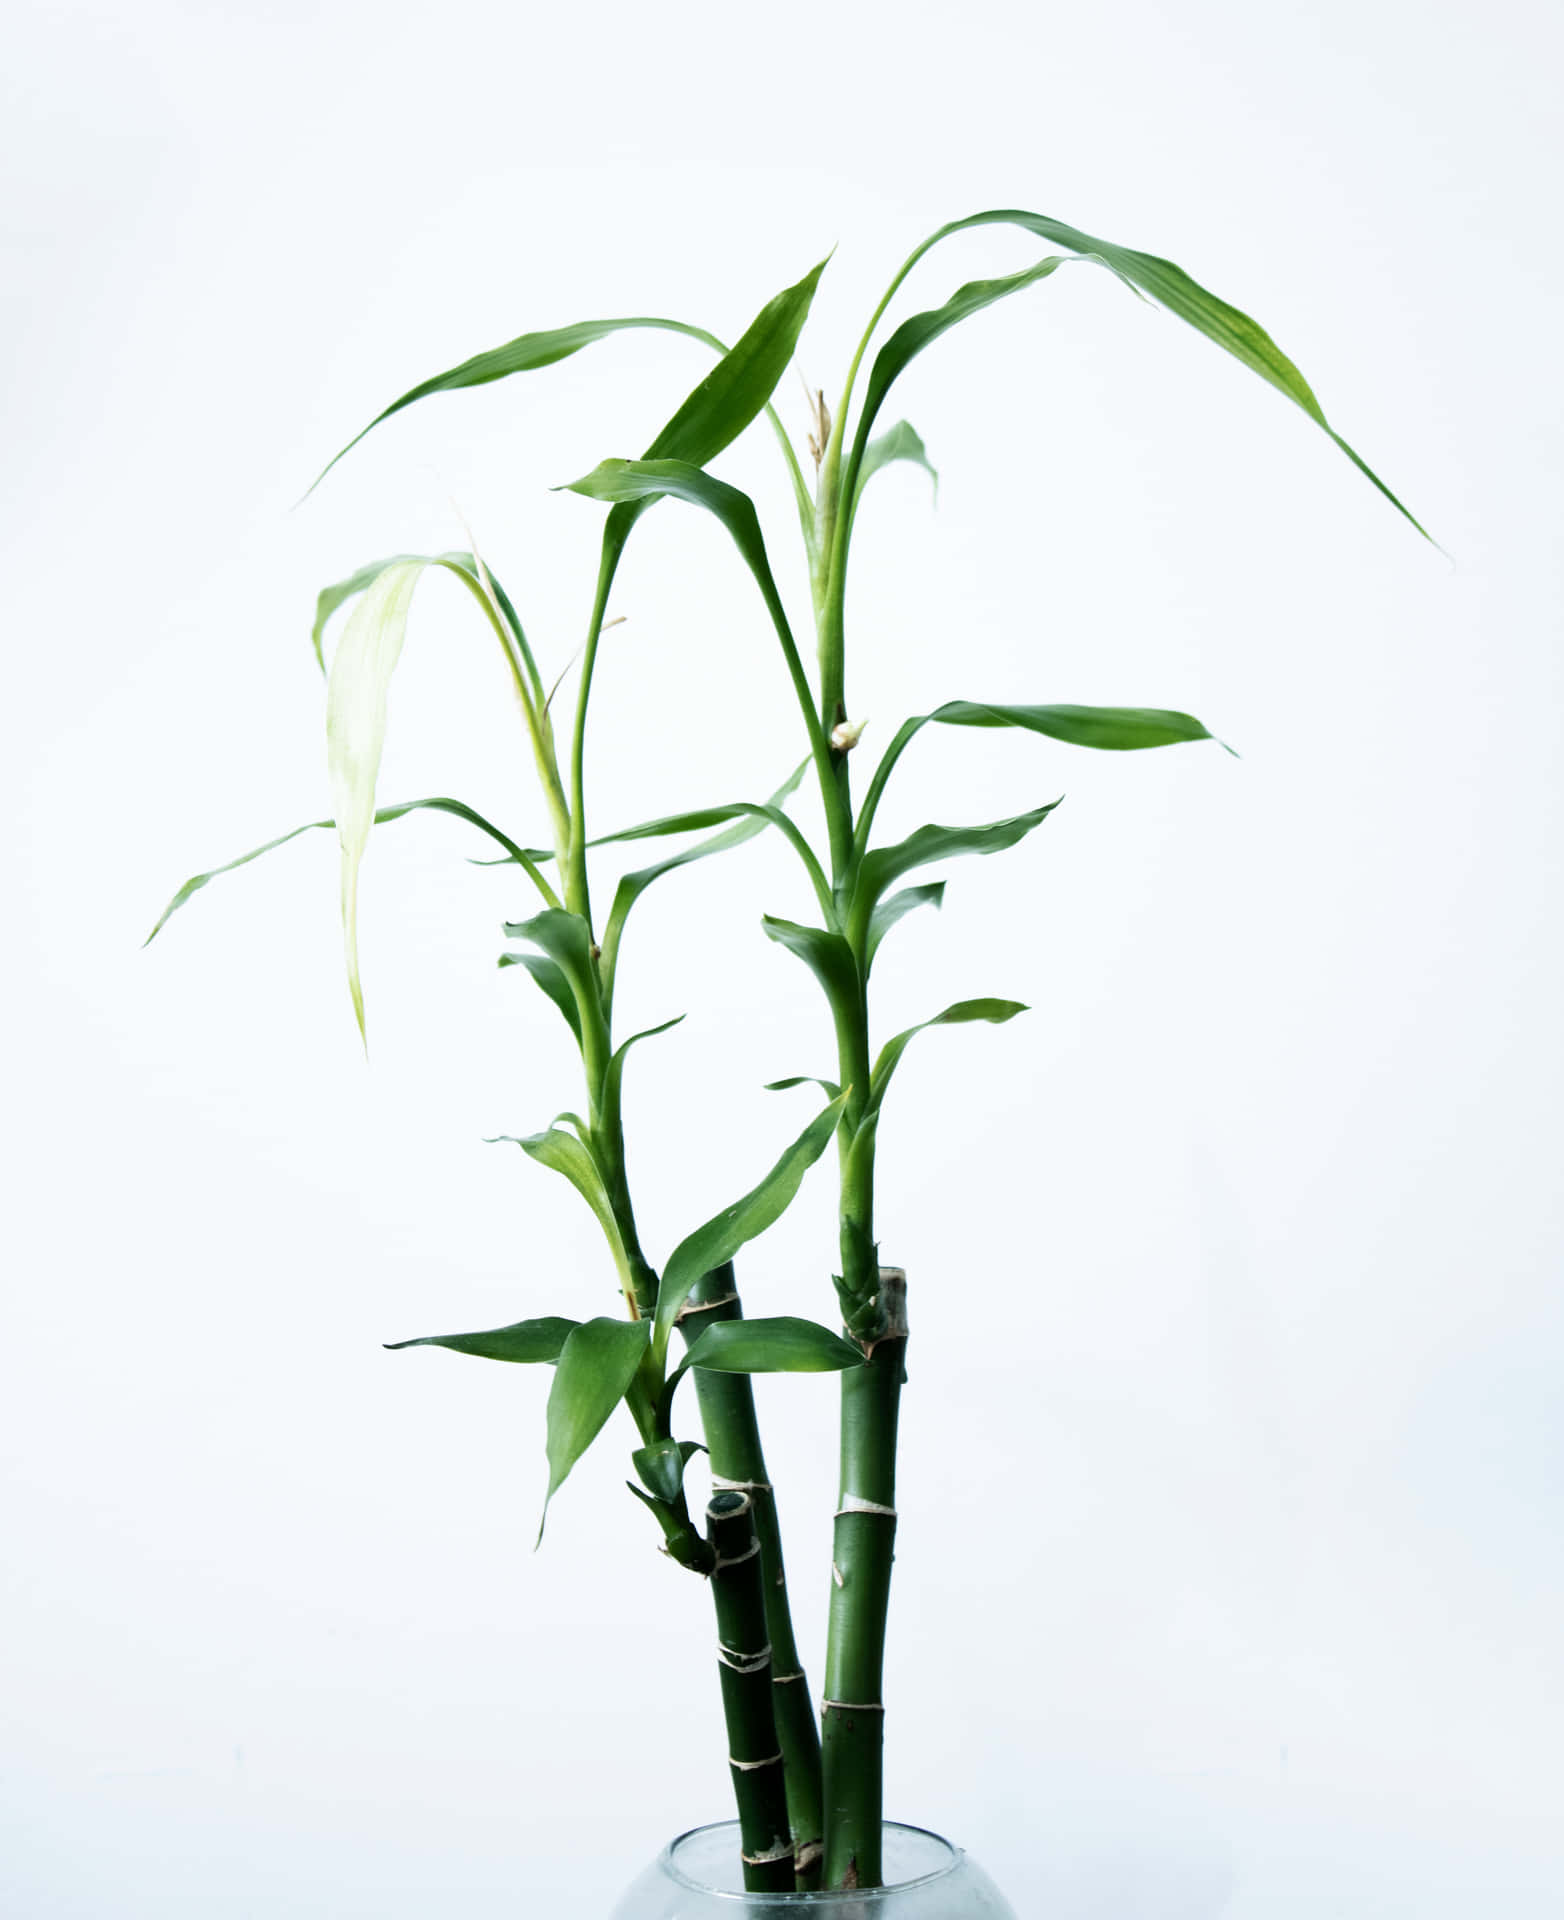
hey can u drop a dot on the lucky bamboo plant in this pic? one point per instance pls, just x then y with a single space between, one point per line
808 1790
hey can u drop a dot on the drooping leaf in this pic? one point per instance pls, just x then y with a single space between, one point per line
474 576
384 814
715 1243
780 1345
827 955
528 1342
888 912
1168 285
594 1372
994 1011
828 1087
883 866
661 1466
900 442
550 976
356 689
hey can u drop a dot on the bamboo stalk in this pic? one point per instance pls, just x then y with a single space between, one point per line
863 1549
727 1404
744 1667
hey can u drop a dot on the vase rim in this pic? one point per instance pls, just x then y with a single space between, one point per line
825 1896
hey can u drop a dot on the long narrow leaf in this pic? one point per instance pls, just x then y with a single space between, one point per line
525 354
923 329
1114 729
721 1237
883 866
994 1011
594 1372
525 1342
741 383
781 1345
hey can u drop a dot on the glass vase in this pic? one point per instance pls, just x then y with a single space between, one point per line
698 1877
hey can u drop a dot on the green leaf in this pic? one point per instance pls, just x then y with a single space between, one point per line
888 912
1226 326
596 1366
741 383
829 1087
715 1243
550 976
882 866
1116 729
613 1080
567 940
527 1341
755 814
782 1345
923 329
525 354
994 1011
567 1154
661 1466
383 815
627 482
900 443
827 955
749 821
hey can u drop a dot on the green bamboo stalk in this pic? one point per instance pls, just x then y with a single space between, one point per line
744 1666
738 1462
863 1549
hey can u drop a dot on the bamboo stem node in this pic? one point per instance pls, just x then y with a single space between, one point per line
744 1662
780 1851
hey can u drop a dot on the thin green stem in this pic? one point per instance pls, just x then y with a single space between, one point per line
501 616
834 524
838 816
577 897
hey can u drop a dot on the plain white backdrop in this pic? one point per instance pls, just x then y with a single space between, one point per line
1230 1572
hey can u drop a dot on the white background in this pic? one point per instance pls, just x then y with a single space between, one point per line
1230 1570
